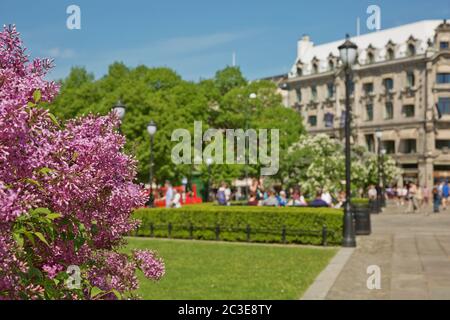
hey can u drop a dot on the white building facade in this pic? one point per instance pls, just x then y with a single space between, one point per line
401 86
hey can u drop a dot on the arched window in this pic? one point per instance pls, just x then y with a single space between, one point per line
299 71
370 58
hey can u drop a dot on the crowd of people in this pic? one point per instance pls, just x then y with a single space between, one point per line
410 196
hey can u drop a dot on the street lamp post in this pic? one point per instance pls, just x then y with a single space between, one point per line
252 97
379 135
383 178
348 53
151 129
209 162
119 109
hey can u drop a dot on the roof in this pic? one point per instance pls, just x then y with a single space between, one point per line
422 31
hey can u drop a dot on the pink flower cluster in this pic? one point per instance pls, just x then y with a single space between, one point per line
152 267
76 169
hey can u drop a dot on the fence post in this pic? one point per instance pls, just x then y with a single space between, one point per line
217 232
170 229
152 230
283 234
248 230
191 231
324 236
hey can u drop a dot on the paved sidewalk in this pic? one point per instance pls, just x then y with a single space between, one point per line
413 252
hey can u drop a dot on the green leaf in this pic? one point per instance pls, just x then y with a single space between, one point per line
53 216
46 171
54 120
95 291
32 181
45 211
31 104
30 237
37 95
41 237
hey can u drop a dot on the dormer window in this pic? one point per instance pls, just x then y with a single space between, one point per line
299 69
390 54
390 50
411 50
315 66
370 55
332 61
331 65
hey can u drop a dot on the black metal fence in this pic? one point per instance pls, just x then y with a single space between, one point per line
283 233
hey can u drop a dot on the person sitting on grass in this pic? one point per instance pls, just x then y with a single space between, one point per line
271 200
318 202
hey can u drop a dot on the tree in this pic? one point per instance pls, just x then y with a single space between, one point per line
319 162
159 94
66 192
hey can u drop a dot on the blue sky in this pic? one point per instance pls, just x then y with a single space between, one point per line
196 37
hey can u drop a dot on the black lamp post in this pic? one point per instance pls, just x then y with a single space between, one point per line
379 135
209 162
348 53
151 129
383 179
252 97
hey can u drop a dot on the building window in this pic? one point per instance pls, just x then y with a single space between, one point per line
331 65
409 111
299 71
443 78
389 111
312 121
315 68
329 120
444 105
390 54
352 87
442 144
389 146
330 89
444 45
314 93
369 112
370 142
388 84
411 79
368 88
409 146
411 50
298 92
370 58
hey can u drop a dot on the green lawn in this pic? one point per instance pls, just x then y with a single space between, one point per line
215 271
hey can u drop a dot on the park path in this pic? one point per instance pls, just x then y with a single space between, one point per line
412 251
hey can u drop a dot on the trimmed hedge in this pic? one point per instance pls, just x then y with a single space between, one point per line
301 225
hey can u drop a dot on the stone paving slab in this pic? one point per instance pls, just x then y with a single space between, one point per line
319 289
412 251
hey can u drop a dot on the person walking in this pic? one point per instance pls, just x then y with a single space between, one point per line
426 195
412 198
436 199
445 194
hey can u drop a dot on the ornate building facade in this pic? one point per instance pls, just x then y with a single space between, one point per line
401 88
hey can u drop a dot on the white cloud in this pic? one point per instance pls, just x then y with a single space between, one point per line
60 53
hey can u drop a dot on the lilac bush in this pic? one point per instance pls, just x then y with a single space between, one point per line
66 193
